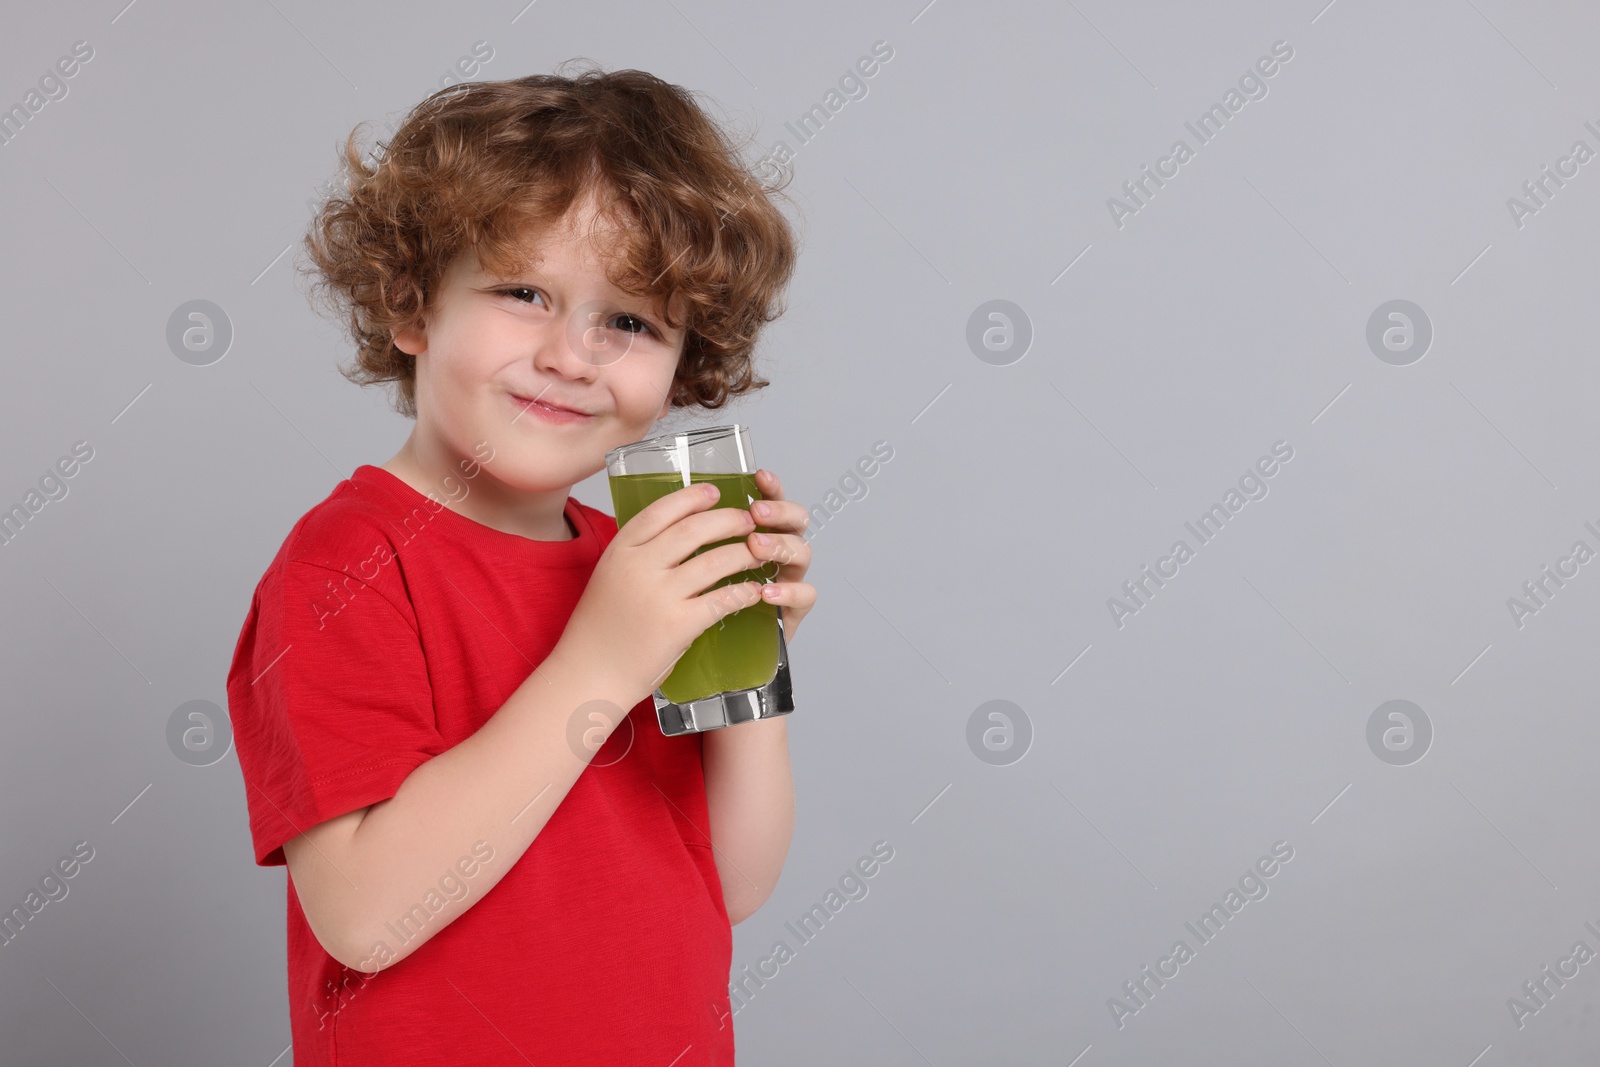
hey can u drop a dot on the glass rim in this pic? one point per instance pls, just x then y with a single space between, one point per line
659 441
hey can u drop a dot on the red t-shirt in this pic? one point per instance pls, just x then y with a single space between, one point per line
388 629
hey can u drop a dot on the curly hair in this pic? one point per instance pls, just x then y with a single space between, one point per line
475 164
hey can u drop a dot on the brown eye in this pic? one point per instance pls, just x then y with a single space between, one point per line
643 327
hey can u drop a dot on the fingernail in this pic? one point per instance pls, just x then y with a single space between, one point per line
763 540
760 510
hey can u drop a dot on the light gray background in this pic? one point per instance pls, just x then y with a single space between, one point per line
1228 314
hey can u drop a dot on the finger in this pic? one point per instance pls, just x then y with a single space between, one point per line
785 514
798 596
792 554
715 565
662 513
719 603
696 530
700 532
781 515
768 483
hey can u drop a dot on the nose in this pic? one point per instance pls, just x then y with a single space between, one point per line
568 347
591 338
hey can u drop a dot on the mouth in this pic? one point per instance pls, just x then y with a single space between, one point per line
546 411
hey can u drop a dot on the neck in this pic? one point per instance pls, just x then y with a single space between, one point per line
433 469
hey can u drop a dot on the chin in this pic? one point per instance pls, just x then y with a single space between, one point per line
535 474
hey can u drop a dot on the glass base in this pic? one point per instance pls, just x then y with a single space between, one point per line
733 707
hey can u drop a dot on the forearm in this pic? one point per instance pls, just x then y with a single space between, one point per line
750 797
499 786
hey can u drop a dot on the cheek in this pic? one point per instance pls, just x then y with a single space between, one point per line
467 374
466 407
452 388
642 388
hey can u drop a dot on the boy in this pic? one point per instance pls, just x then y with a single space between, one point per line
441 693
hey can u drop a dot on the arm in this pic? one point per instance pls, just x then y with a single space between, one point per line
750 796
359 871
749 784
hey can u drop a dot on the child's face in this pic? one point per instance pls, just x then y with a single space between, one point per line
557 331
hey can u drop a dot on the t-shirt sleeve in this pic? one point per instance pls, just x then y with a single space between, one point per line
330 701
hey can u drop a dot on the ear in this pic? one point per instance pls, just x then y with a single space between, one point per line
412 340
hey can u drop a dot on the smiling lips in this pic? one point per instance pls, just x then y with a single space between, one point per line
549 412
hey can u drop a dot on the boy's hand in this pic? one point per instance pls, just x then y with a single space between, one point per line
787 521
646 601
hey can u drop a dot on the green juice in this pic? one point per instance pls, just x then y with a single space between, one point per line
740 651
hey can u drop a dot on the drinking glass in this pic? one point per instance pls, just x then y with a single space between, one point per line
737 670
